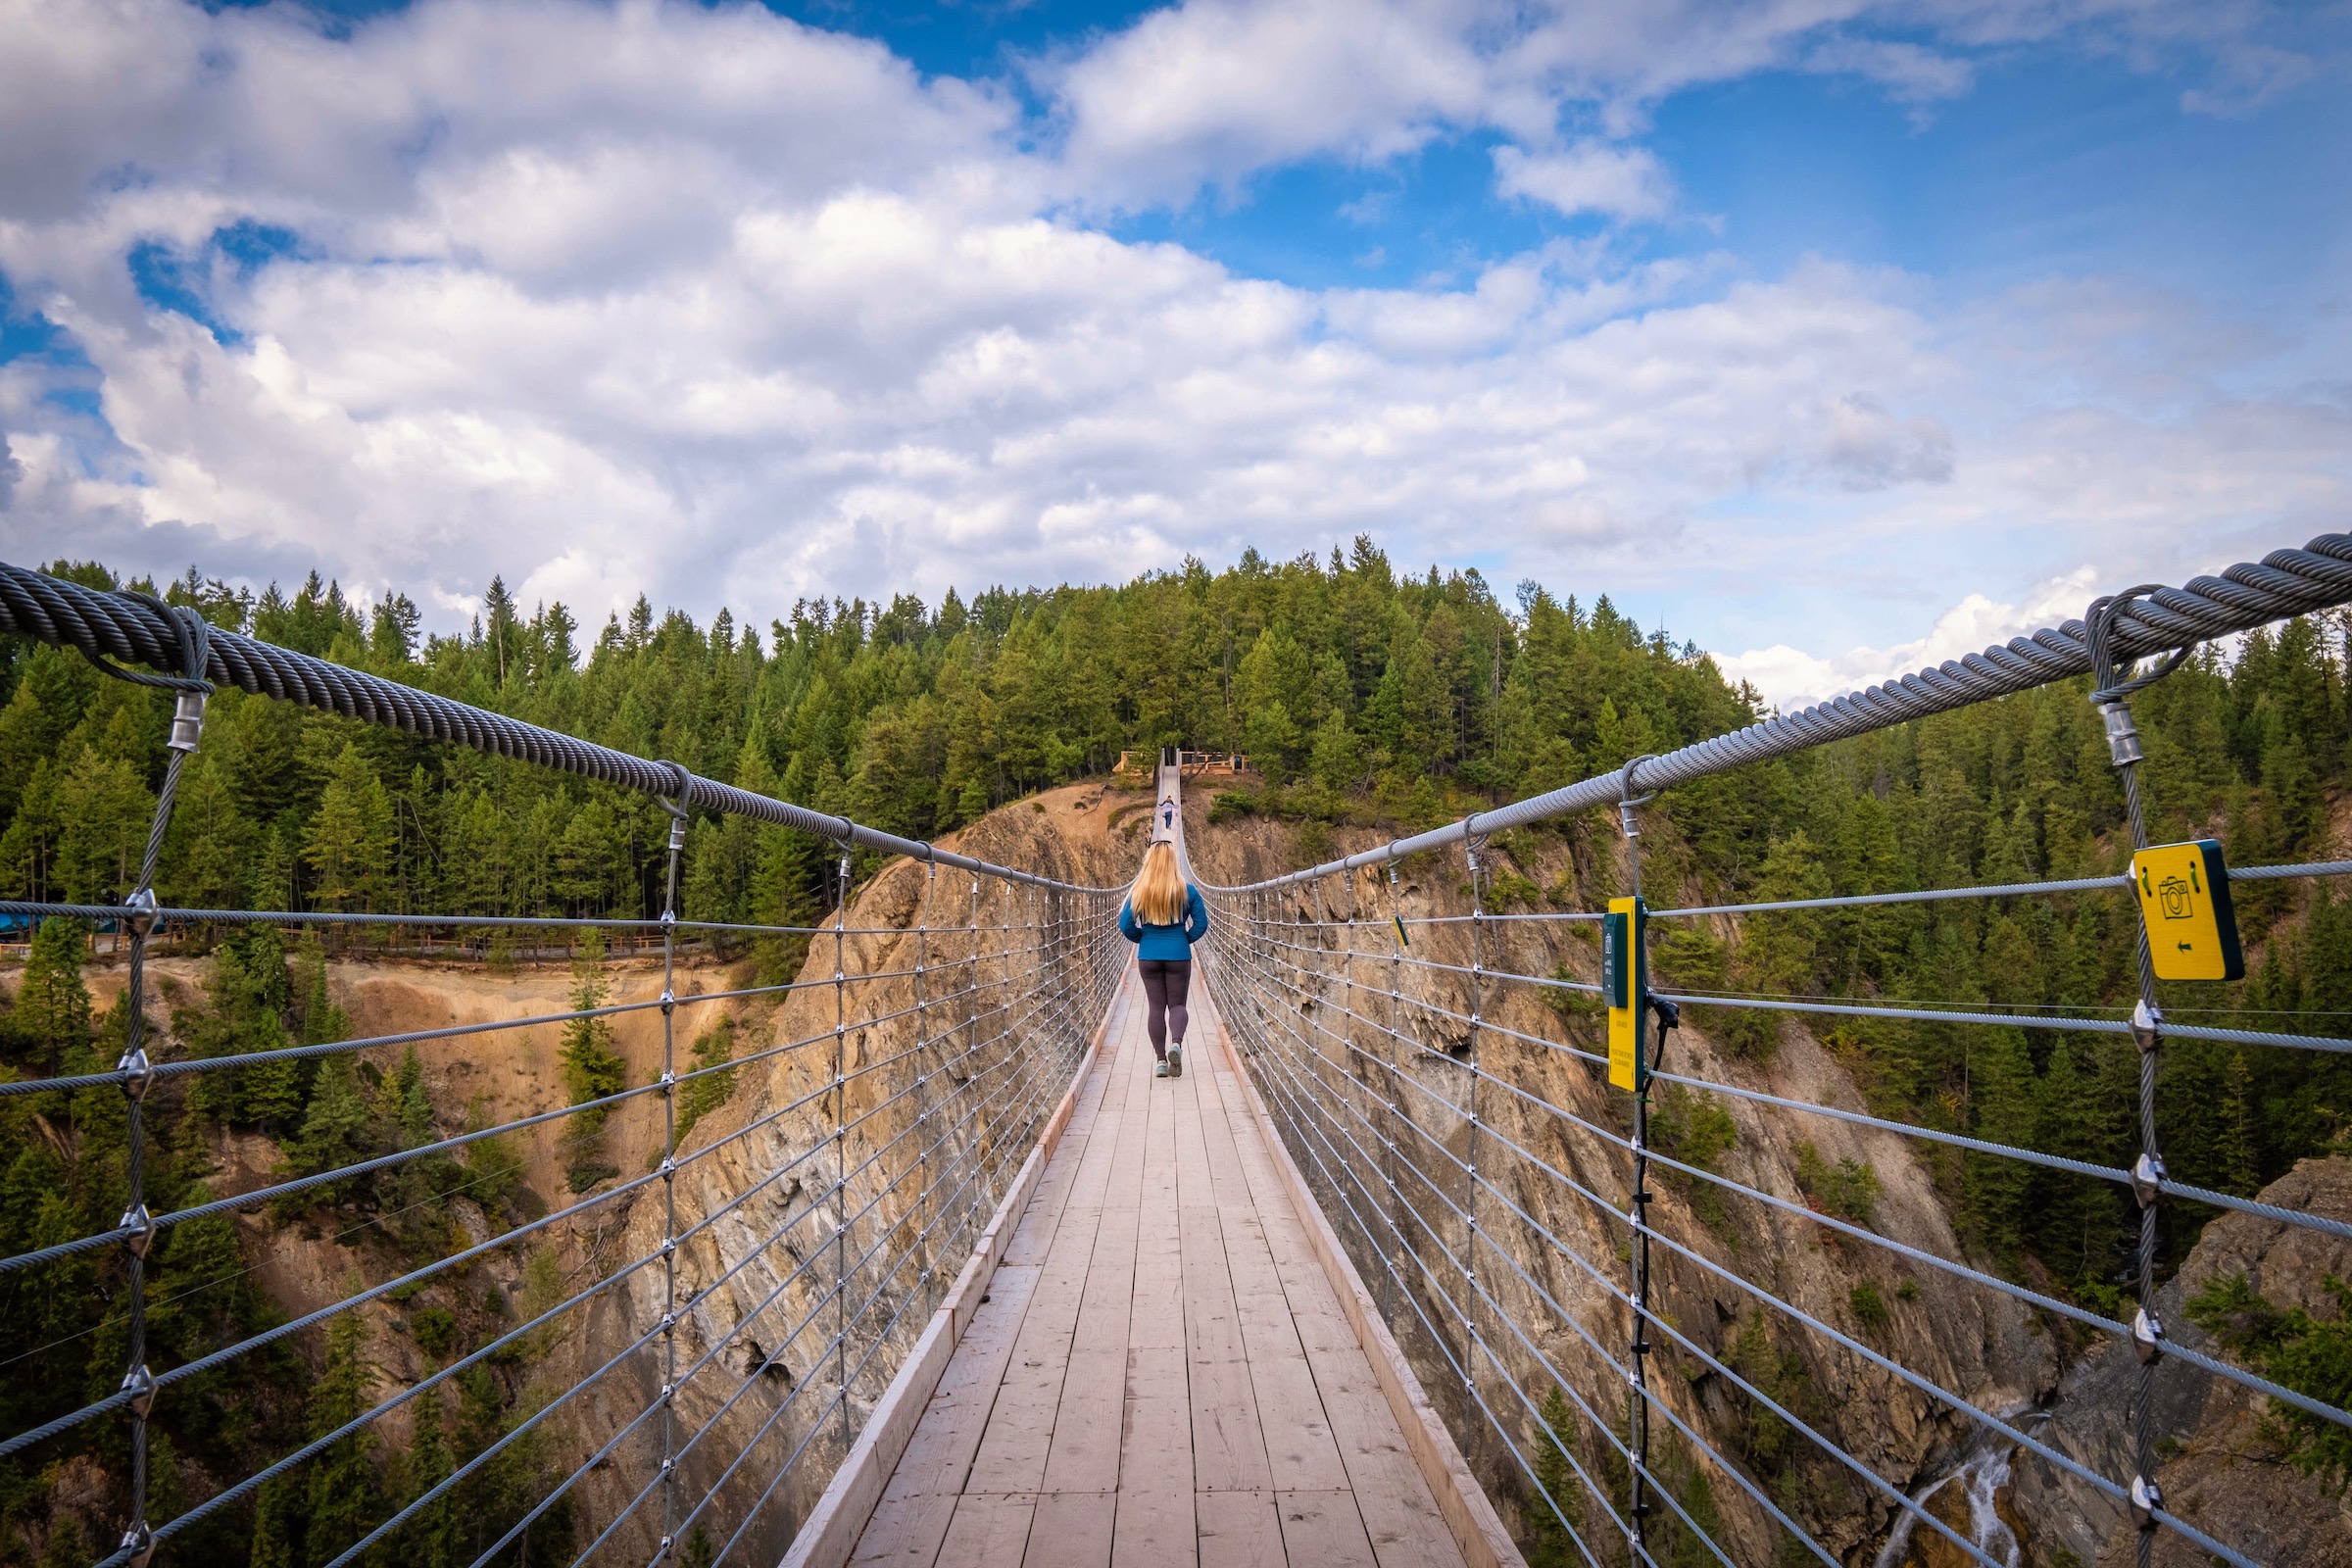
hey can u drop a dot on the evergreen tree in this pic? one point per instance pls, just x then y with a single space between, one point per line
53 1006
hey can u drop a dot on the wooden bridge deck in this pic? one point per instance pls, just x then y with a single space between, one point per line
1159 1373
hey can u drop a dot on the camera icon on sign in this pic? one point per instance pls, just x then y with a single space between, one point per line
2174 895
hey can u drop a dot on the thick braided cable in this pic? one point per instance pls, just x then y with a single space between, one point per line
2283 583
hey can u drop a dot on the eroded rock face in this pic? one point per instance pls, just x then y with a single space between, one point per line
1974 1342
2221 1471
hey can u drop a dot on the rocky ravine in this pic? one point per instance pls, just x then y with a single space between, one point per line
1974 1342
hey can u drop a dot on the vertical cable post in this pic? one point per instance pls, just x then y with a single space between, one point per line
1396 939
140 914
1636 1205
1474 850
922 1063
669 1176
841 1155
2111 695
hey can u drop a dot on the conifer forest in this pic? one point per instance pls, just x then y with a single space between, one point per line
1361 695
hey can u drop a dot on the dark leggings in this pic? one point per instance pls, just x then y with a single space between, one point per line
1166 983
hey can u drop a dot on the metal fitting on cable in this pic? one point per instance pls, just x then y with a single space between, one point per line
2147 1336
2148 1027
140 912
670 1321
669 1247
663 1550
188 723
670 1168
139 1384
2123 736
138 1073
138 1229
2146 1500
667 1081
138 1545
669 1002
2148 1179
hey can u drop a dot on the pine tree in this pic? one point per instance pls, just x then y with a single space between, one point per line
342 1494
53 1006
592 1067
337 1130
1555 1516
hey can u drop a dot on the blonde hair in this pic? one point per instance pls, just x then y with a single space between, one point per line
1158 897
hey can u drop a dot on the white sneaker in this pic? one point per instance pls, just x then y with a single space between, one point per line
1159 1068
1176 1059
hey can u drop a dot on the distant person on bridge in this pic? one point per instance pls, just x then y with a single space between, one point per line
1164 917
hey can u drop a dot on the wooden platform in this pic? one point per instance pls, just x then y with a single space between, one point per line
1159 1373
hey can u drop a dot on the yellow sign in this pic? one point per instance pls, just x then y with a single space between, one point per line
1624 986
2184 901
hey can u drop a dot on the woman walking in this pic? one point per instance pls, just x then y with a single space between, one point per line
1164 917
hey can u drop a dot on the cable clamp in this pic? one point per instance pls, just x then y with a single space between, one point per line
667 1465
138 1228
188 723
138 1073
669 1169
2146 1500
138 1545
663 1550
669 1247
139 1384
669 1002
2147 1336
2123 736
2148 1027
669 1392
140 913
669 1322
2148 1179
667 1081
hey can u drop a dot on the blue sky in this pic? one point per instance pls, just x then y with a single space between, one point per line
1837 340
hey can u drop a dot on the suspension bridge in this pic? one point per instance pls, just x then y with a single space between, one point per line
1381 1279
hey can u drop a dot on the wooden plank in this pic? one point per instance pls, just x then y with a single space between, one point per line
990 1531
1087 1425
1156 1441
1155 1529
1322 1530
1071 1530
1239 1530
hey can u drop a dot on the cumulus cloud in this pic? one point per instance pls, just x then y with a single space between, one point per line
605 297
1791 678
1591 176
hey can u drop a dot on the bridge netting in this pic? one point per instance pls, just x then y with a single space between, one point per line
723 1367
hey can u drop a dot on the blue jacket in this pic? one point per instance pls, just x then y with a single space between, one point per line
1166 941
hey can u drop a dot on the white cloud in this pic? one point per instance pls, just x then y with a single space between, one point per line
733 309
1789 679
1591 176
